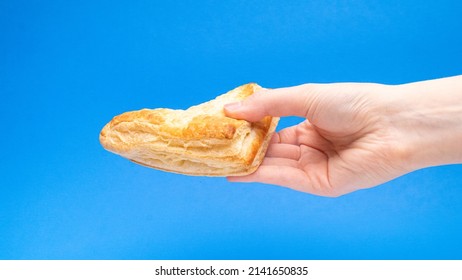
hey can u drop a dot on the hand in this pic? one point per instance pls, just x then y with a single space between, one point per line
352 138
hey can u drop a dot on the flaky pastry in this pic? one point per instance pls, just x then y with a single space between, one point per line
198 141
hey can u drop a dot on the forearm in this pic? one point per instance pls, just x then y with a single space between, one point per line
428 117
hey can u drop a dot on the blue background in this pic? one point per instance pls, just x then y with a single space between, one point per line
67 67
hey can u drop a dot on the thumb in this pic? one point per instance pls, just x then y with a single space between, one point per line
290 101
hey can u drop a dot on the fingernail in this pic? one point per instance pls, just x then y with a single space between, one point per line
233 106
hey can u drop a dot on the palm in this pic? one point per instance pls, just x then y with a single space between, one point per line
309 160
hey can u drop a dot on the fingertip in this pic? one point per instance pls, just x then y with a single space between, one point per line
233 179
239 111
230 178
240 179
233 107
275 139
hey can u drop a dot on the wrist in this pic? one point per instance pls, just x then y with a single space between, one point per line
428 121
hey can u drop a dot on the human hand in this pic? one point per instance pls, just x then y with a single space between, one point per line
354 135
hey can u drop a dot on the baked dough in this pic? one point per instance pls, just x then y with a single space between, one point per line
199 141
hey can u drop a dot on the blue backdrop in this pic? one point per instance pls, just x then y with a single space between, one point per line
67 67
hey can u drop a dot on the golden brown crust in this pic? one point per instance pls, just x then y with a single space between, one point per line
198 141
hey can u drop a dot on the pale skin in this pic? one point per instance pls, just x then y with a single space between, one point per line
356 135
